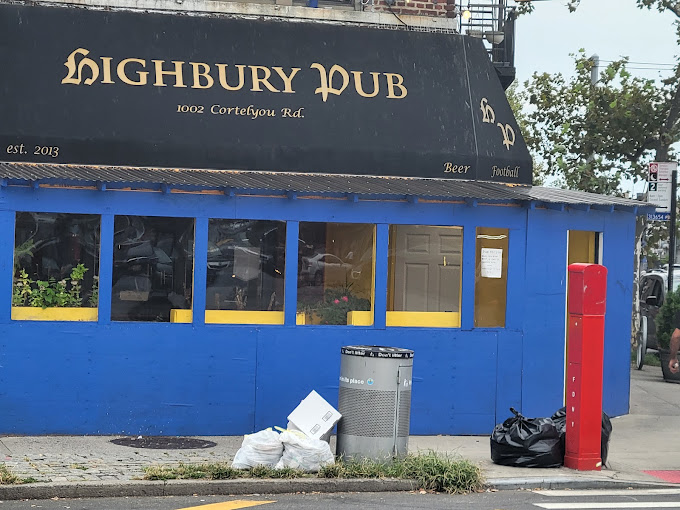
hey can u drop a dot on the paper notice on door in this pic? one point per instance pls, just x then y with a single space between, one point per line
492 263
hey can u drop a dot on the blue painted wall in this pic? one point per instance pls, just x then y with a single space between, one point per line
544 322
188 379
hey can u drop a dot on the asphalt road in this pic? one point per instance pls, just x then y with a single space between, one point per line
501 500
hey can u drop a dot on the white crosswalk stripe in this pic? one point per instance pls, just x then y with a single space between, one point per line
617 495
611 492
610 505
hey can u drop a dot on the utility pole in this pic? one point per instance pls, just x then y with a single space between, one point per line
595 70
671 237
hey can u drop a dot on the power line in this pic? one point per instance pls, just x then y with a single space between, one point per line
641 63
650 68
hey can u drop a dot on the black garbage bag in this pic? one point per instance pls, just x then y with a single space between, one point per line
560 419
527 442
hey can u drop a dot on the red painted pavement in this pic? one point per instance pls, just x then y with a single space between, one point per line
667 476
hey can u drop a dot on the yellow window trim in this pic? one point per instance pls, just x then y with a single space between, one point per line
354 318
31 313
181 316
243 317
360 318
229 316
424 319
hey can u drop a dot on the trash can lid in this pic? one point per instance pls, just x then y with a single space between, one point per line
376 351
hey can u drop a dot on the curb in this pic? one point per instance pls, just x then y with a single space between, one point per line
573 483
143 488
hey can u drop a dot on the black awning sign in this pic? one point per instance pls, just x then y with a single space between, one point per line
146 89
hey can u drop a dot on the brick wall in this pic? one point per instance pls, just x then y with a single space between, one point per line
443 8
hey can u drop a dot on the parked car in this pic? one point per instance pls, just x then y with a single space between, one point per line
653 288
324 266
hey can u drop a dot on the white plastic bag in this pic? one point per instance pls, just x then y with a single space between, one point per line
263 448
304 453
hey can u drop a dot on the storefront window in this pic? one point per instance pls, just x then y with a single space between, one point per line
56 262
246 263
152 267
424 276
491 277
335 273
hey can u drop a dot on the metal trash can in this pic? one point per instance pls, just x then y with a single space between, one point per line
375 401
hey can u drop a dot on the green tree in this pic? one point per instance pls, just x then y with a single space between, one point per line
594 136
516 99
670 130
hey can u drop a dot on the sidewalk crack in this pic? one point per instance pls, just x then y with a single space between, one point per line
4 450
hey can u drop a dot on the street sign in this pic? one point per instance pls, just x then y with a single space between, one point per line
660 189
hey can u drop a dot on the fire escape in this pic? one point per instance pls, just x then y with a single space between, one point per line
493 22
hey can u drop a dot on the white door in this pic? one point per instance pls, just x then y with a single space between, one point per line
427 268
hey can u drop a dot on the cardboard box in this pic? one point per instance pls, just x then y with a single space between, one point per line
314 417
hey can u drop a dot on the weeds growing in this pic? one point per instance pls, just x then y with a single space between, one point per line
431 471
7 477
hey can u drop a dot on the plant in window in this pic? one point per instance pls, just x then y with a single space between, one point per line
44 294
21 291
77 275
51 293
93 300
667 319
62 297
337 301
25 249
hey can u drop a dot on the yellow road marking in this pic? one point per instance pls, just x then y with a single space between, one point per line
228 505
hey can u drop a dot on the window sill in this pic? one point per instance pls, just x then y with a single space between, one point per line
354 318
243 317
423 319
31 313
229 317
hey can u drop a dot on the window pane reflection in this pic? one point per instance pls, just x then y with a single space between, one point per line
152 267
48 247
246 261
335 271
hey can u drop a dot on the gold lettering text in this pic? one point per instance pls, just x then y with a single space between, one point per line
391 83
106 69
488 114
177 73
505 171
508 135
360 89
287 79
264 79
327 80
120 69
205 73
71 67
455 169
222 75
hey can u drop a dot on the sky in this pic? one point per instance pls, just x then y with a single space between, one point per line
609 28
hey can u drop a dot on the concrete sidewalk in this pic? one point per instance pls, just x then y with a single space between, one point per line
87 466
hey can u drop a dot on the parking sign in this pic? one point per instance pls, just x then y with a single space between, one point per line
660 188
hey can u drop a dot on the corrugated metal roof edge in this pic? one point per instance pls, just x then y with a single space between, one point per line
258 182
